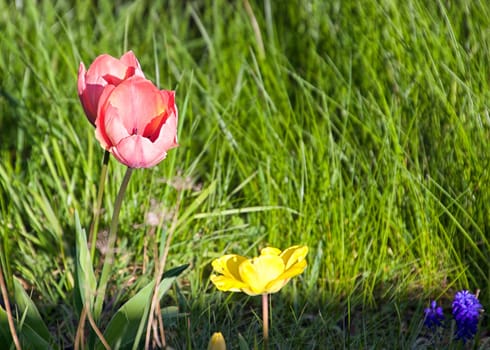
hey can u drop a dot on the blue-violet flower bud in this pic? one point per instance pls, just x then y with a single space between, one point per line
466 312
433 315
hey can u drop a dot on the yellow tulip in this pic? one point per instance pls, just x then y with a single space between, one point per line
217 342
264 274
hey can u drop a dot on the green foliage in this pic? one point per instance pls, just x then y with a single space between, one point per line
86 281
125 327
28 311
32 331
362 131
242 343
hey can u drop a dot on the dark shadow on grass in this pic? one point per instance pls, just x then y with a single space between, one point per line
309 322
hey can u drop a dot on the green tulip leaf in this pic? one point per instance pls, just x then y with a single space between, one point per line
28 337
29 312
123 328
87 284
5 337
242 342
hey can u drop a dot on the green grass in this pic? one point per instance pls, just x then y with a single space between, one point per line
361 131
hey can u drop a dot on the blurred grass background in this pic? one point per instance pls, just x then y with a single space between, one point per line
358 128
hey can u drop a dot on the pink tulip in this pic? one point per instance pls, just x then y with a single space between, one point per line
105 70
136 122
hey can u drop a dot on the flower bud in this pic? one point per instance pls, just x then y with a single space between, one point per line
217 342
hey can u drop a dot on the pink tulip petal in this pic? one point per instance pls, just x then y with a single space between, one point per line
138 152
106 66
167 137
100 129
131 61
86 102
89 94
103 103
81 78
113 80
168 97
152 129
115 130
138 101
90 100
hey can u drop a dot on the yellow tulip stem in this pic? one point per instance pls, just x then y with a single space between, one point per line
111 242
265 319
92 237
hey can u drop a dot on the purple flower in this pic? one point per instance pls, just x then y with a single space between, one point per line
466 311
433 316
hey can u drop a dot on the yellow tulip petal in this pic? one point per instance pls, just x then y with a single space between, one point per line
270 251
293 255
227 284
228 265
249 291
258 272
295 270
275 285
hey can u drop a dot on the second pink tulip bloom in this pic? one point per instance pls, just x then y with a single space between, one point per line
104 70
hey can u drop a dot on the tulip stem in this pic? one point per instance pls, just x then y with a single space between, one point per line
8 310
265 319
95 222
111 241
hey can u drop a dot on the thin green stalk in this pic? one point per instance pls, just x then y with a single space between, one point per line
95 222
109 258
